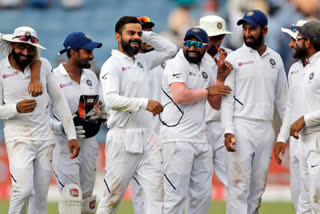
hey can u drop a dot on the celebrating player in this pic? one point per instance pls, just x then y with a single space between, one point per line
258 80
75 79
132 148
28 136
188 82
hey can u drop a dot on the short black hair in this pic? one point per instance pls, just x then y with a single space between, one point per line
125 20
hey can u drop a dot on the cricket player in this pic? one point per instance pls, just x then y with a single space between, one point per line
307 127
75 79
132 148
31 143
216 30
187 83
155 77
258 80
294 111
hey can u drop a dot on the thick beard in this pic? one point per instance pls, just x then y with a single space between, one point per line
82 65
130 50
256 43
301 52
22 64
212 50
194 60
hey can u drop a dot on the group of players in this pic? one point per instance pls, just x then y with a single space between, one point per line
166 133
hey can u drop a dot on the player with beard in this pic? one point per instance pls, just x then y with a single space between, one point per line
293 112
29 138
307 127
75 79
132 147
258 80
188 82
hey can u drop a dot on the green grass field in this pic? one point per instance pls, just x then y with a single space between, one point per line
215 208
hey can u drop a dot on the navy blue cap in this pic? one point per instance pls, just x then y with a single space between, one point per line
197 32
79 40
254 18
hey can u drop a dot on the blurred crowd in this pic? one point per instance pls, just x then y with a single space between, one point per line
67 4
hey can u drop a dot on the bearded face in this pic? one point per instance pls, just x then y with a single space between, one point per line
23 54
132 46
253 42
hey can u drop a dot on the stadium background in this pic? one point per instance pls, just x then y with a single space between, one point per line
53 22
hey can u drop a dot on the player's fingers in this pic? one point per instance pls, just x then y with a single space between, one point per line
215 60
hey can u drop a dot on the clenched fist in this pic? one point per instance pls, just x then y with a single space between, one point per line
26 106
154 107
218 90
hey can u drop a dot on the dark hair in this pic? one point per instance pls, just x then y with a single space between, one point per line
125 20
69 54
316 44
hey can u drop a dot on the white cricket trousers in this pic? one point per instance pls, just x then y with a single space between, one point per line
247 168
310 168
187 177
216 140
132 153
30 167
80 170
299 195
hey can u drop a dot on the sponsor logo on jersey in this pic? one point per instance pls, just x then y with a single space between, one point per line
163 65
204 75
244 63
125 68
63 85
89 82
4 76
192 74
294 72
74 192
311 76
139 64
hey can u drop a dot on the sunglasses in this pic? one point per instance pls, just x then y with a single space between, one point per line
301 37
26 38
196 44
145 19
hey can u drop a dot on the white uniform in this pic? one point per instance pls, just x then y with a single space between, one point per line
155 78
293 112
257 82
29 139
187 155
309 135
82 169
132 148
216 135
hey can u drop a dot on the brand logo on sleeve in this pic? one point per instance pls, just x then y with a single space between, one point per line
163 65
177 75
244 63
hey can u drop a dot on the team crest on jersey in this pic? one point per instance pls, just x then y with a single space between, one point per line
204 75
311 76
89 82
163 65
272 61
140 65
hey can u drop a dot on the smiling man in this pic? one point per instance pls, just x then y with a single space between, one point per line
132 147
188 82
258 80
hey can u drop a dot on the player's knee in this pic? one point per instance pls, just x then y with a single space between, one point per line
24 191
70 199
88 205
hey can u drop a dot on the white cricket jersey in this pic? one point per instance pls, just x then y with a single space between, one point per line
192 126
257 82
155 79
125 84
34 125
311 97
294 109
212 114
72 91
